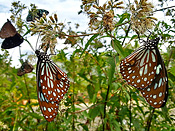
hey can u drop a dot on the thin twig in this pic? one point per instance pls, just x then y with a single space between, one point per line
149 120
130 114
73 101
94 33
80 35
164 8
126 33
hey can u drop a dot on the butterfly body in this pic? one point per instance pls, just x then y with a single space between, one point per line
145 70
52 85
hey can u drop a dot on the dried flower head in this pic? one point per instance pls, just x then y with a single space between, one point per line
141 19
49 44
108 22
49 29
101 17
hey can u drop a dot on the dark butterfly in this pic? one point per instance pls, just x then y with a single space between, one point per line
7 30
12 42
25 68
31 16
12 37
145 70
52 85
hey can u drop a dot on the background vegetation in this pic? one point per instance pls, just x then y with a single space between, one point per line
98 98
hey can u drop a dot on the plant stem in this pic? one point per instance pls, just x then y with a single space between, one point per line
105 106
149 120
130 114
165 8
126 33
73 101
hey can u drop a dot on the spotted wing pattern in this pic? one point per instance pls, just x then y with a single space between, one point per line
52 83
145 70
139 68
156 93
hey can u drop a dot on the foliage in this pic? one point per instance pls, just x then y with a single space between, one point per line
98 98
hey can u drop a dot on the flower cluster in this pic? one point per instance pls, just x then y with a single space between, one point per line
108 20
49 30
101 17
141 18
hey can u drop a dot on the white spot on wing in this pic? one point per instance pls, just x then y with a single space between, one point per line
160 94
160 82
141 71
146 69
153 56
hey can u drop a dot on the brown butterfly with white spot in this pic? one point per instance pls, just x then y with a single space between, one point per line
52 85
25 68
145 70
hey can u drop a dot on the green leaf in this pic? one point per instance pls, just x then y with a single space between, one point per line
89 41
86 114
51 126
111 70
94 112
85 127
118 47
172 70
123 17
91 91
35 115
137 124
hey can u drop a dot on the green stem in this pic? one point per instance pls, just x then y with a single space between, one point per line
130 114
16 117
105 106
73 102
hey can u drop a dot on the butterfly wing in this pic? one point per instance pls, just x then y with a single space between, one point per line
54 81
31 16
41 11
139 68
7 30
25 68
52 85
156 94
12 42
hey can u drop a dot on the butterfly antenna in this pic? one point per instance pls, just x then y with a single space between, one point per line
139 37
150 33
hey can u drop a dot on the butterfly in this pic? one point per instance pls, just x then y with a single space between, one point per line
11 36
25 68
52 85
145 70
7 30
39 14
